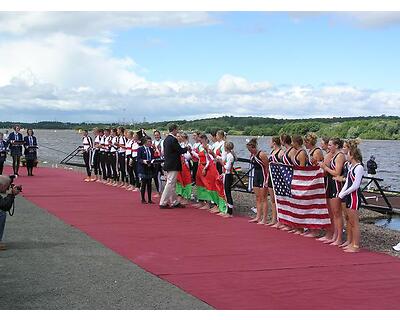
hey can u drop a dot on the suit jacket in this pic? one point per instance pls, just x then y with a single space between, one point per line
12 136
172 154
26 144
143 168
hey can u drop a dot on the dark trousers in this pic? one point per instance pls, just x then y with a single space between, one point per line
86 158
228 180
121 165
108 161
145 184
129 167
3 216
157 176
113 165
194 170
97 162
16 161
1 166
134 161
103 164
29 166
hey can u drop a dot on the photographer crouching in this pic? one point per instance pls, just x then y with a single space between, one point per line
6 203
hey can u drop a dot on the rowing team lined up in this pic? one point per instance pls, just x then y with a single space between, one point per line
118 154
341 162
210 165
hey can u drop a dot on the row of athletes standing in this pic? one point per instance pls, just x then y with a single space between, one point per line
125 159
341 162
112 156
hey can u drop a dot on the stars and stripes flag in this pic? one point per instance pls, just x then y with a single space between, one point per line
300 196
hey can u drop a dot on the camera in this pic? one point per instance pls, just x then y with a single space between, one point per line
19 188
12 185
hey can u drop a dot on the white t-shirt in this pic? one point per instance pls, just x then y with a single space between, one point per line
229 160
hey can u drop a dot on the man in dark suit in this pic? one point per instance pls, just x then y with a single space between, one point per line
172 165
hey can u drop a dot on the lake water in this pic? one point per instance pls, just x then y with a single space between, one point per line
54 145
391 223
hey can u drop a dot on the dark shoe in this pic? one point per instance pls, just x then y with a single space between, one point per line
178 205
144 201
150 202
164 207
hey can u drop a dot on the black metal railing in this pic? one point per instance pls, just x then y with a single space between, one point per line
73 155
243 177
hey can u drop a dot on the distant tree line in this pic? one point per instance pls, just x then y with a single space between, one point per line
379 128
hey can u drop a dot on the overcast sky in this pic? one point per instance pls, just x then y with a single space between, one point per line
127 66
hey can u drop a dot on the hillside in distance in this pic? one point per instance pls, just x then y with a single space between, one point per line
374 127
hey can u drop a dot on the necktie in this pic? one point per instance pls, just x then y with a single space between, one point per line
148 153
30 141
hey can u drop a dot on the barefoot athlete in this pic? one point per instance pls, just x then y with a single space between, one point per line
259 160
352 194
334 169
286 141
340 199
275 156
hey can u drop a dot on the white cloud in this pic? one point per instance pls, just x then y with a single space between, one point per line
97 24
161 101
233 84
66 61
373 19
364 19
61 75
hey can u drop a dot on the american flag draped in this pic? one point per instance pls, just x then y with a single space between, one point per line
300 196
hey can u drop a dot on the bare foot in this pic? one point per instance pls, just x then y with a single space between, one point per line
196 205
206 206
351 249
214 210
336 243
276 225
312 234
253 220
344 244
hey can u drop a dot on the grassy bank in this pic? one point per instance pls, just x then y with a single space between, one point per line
378 128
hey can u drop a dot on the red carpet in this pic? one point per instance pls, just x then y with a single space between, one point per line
228 263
